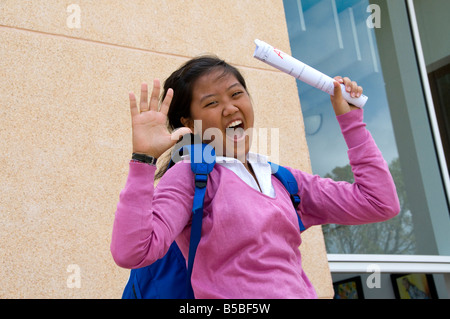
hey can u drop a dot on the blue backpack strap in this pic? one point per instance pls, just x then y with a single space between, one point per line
289 182
203 159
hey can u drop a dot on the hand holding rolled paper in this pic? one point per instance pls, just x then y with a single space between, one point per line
301 71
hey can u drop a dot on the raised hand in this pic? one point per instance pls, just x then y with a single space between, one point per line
150 134
340 105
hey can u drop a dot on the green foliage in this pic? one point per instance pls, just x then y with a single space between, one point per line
395 236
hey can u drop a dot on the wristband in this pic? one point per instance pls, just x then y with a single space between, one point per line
144 158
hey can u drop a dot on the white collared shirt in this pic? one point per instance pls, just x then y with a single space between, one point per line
260 167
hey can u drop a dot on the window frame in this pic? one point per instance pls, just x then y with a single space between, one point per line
428 96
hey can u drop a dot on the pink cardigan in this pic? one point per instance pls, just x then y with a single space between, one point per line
249 244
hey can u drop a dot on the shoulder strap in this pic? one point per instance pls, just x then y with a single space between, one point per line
203 159
289 182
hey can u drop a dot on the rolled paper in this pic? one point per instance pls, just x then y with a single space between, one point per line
301 71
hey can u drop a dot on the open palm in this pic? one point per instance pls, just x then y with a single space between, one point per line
149 125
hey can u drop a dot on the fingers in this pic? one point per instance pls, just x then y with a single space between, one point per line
143 105
340 105
166 103
154 99
350 86
133 107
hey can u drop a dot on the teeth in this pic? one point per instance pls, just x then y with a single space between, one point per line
234 123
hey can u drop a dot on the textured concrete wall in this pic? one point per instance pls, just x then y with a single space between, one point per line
65 129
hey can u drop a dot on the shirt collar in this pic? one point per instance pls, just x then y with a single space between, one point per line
253 158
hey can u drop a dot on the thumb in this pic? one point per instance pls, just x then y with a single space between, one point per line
337 90
340 106
179 132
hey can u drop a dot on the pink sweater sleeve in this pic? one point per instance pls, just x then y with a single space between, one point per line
147 221
371 198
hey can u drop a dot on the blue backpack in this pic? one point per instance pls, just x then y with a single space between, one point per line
168 277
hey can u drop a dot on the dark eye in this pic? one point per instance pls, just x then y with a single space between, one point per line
211 103
237 93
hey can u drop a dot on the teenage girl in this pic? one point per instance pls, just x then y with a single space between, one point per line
250 235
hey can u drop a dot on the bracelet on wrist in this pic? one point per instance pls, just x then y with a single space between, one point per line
142 158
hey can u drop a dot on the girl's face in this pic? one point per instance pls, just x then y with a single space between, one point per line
222 111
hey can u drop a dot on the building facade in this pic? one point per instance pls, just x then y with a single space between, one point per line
67 68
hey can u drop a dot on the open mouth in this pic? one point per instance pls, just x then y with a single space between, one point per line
235 130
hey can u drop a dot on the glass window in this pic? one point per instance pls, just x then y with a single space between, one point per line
359 39
433 17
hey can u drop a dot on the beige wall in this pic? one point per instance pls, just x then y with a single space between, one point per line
65 128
